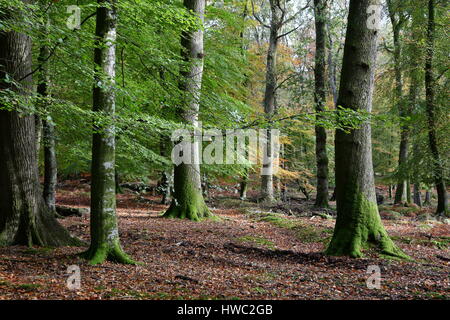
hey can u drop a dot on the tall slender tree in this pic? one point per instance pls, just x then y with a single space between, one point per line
398 19
165 183
358 221
278 18
438 172
413 96
24 217
412 100
243 185
48 134
187 199
331 67
267 192
105 242
320 101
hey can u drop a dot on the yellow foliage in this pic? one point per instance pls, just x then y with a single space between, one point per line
287 175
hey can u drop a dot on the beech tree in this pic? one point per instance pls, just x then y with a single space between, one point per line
24 217
358 221
276 22
187 200
105 242
438 171
48 128
278 19
320 101
398 19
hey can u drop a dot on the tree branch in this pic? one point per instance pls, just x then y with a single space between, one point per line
52 52
296 14
287 33
257 17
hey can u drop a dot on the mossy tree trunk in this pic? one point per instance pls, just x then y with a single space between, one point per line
105 242
187 200
320 102
24 217
438 170
358 221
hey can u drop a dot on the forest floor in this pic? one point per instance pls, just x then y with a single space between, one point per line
251 252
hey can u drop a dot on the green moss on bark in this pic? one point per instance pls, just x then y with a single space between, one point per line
188 205
360 227
187 201
113 253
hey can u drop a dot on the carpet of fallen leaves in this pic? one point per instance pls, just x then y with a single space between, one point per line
241 256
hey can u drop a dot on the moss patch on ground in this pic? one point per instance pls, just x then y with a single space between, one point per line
303 232
442 243
258 240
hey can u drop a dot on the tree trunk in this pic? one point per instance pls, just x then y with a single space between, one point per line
105 242
431 114
358 221
38 130
50 166
333 196
400 192
244 186
417 195
427 201
166 185
408 191
48 135
283 183
205 186
413 94
320 101
24 217
267 193
188 201
304 191
284 192
117 181
331 69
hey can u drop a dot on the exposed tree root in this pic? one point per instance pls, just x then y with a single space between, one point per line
104 253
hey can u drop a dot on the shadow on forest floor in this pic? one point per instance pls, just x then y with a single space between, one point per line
253 252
